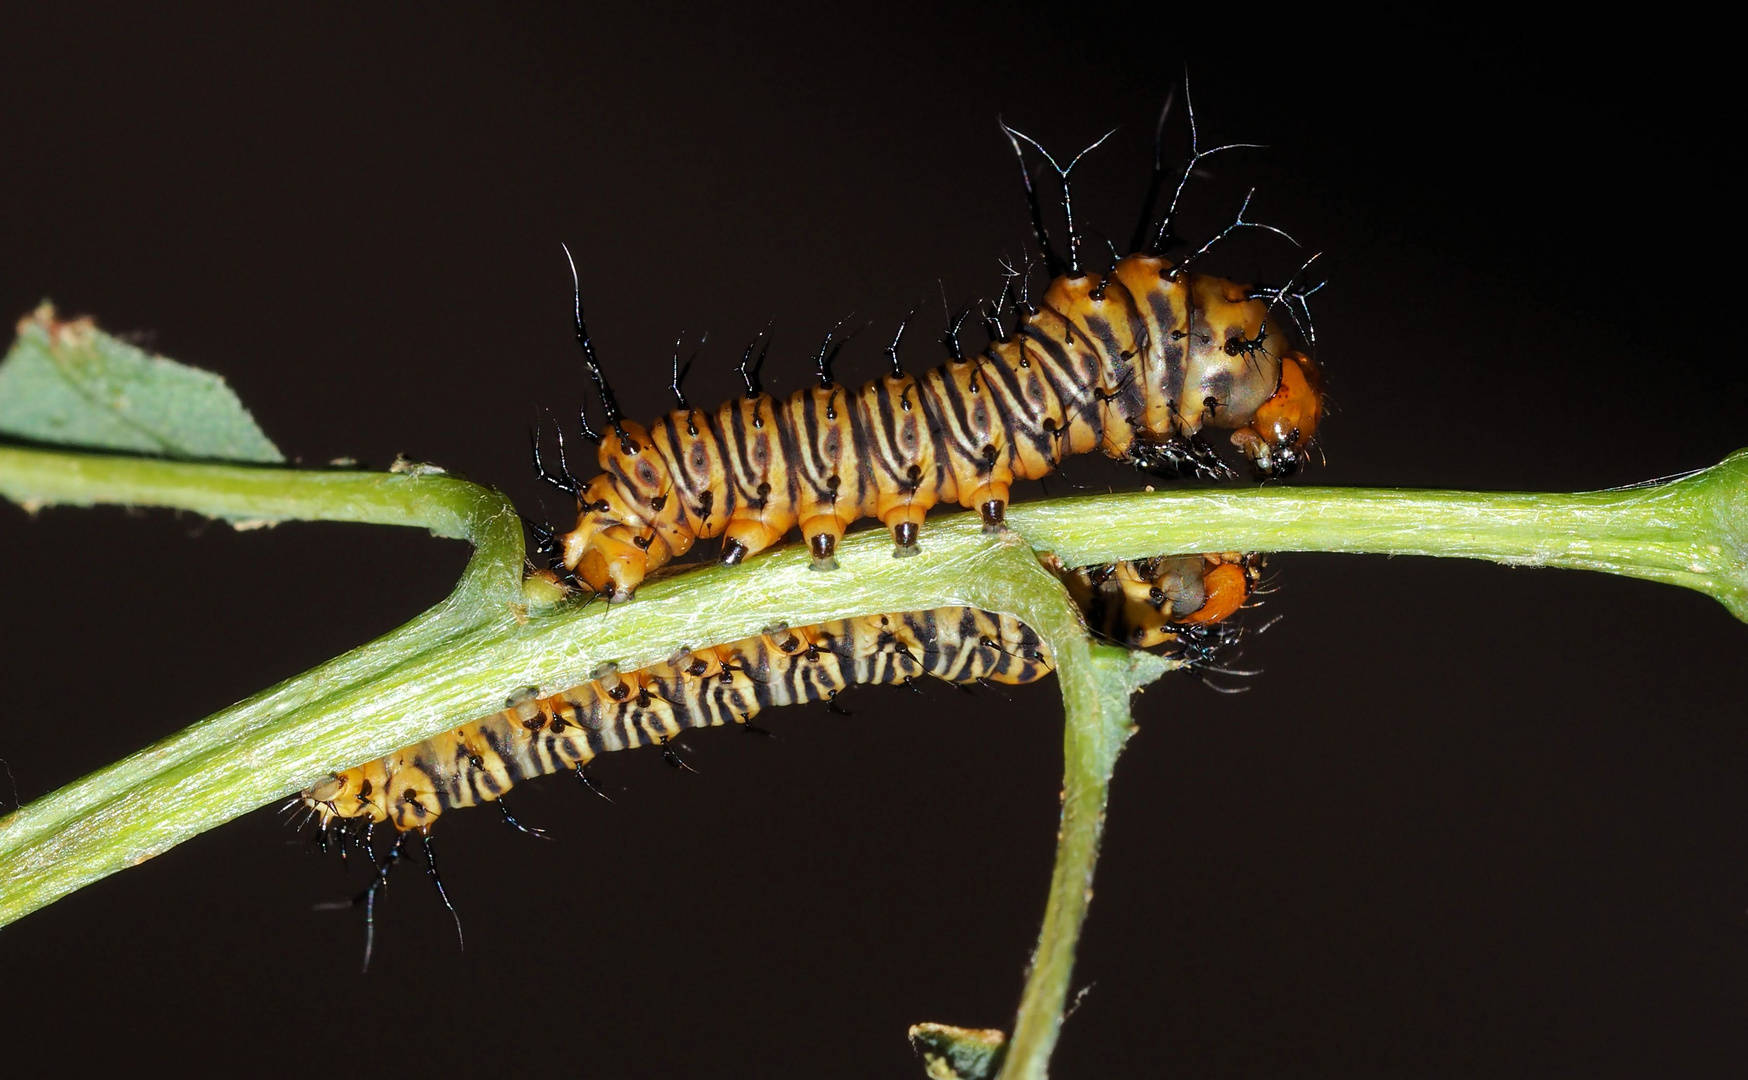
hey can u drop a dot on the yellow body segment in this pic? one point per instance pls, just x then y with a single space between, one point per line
1137 364
1149 604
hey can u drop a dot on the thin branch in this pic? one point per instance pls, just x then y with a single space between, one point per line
451 664
1097 684
1691 531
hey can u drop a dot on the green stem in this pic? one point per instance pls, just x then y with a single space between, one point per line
1097 682
1096 688
1692 531
449 665
421 496
454 662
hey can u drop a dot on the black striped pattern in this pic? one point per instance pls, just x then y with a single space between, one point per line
1136 364
728 684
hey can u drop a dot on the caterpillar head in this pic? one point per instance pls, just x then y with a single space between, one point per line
1164 602
1278 436
1164 596
355 793
612 561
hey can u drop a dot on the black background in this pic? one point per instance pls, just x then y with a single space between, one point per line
1471 820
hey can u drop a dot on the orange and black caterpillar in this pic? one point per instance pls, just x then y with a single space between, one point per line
1136 362
1172 603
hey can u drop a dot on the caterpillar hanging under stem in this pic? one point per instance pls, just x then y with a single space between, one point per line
1166 604
1136 362
1179 605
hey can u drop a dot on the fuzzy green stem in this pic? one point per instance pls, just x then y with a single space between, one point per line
449 665
1691 531
241 494
1097 683
456 661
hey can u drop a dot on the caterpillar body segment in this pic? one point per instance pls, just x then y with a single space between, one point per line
727 684
1137 363
1155 603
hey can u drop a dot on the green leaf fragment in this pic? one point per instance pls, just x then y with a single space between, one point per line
69 383
956 1053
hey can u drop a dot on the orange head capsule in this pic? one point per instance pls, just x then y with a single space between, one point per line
616 560
1226 587
1276 439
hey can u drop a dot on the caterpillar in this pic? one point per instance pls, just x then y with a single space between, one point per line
1137 362
1153 603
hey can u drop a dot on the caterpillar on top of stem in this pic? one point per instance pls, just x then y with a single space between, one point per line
1137 362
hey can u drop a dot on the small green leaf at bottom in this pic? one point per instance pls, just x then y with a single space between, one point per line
956 1053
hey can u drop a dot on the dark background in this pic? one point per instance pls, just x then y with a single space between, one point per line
1471 820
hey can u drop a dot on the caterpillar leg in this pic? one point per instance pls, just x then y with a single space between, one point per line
823 533
904 518
748 536
831 488
991 503
1179 457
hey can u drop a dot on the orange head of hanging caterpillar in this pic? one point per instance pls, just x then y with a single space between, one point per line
1172 602
1165 599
